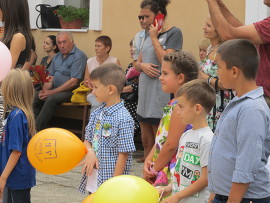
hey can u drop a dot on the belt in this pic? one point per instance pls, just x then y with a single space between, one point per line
222 197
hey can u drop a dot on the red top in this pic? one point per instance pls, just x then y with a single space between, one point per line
263 75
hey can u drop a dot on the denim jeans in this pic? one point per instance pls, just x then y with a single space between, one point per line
264 200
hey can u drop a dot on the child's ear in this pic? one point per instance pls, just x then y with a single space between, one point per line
181 78
235 72
198 108
112 89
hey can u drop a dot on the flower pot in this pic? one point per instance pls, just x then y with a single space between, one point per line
76 24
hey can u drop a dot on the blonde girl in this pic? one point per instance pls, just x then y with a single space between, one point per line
17 174
177 68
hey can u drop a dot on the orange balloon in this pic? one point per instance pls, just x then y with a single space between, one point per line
89 199
54 151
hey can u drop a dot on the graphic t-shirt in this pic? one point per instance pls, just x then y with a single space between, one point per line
192 156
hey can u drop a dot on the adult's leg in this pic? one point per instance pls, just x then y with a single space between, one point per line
148 137
47 111
37 105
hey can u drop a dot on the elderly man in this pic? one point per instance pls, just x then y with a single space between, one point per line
229 27
66 71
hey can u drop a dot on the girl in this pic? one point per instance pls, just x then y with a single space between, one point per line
17 174
177 69
209 72
17 33
157 43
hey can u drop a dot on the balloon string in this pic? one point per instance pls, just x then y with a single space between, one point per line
160 196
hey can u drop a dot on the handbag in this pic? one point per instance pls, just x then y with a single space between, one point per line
79 94
47 16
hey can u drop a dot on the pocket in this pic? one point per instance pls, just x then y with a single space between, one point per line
110 142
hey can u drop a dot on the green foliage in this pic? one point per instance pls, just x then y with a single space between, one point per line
70 13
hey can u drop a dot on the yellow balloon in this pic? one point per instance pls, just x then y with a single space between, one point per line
126 188
54 151
89 199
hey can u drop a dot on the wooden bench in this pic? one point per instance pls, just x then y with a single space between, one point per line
85 116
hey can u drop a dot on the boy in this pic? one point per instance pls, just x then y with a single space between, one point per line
203 46
241 145
195 100
109 133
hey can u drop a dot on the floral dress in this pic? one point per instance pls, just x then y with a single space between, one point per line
164 176
223 97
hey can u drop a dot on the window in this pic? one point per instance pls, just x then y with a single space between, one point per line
95 7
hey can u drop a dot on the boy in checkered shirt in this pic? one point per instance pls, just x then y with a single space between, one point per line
109 133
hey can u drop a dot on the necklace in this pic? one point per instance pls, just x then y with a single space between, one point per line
211 49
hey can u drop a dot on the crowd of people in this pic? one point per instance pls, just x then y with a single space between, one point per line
204 125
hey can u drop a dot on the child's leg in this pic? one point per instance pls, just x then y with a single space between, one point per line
17 196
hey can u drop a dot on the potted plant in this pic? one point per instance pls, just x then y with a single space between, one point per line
72 18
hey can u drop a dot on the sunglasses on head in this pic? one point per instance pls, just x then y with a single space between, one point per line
141 17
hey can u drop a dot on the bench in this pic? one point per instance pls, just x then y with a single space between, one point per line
85 107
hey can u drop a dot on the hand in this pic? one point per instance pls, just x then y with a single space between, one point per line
88 83
153 30
148 176
127 89
164 191
211 198
2 184
171 199
150 69
89 162
44 94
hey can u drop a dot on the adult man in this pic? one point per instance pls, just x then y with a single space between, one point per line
229 27
66 70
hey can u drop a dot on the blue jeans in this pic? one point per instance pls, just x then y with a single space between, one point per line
223 199
17 196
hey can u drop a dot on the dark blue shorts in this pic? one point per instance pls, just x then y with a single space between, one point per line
17 196
224 199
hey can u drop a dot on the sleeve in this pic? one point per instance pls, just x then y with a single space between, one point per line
78 66
204 153
250 137
89 129
175 39
18 129
125 141
52 67
263 28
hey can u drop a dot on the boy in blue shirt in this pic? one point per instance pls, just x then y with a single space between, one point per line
109 133
241 145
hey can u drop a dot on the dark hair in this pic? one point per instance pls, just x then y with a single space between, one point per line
110 74
106 40
183 62
156 6
131 42
242 54
53 39
198 92
16 19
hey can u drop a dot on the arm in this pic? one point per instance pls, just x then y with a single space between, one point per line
149 69
197 186
147 175
120 164
226 30
17 45
118 62
31 62
12 161
237 192
169 148
87 81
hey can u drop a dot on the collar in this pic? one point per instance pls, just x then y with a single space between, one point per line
254 94
111 109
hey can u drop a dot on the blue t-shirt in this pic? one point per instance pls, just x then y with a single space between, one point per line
16 137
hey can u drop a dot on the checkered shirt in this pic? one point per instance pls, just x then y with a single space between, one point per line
120 140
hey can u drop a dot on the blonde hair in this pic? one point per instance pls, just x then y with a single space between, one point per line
204 44
18 91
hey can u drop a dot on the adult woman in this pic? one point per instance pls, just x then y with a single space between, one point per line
103 46
209 72
17 33
50 47
157 43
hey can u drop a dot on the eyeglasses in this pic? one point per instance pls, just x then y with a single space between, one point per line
141 17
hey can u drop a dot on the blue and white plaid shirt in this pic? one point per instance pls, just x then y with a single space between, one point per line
117 139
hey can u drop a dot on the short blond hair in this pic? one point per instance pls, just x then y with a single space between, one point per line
204 44
18 91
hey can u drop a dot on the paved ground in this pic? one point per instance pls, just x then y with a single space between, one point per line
64 188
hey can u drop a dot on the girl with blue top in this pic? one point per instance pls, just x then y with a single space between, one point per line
17 174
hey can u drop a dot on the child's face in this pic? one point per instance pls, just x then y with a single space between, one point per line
202 53
100 91
170 82
225 75
186 110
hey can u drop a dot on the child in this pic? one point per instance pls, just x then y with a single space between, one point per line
109 133
241 145
17 174
177 68
189 182
203 45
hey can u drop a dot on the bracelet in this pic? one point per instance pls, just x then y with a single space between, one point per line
216 84
159 45
209 80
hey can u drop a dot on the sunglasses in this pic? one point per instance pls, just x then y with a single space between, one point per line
141 17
